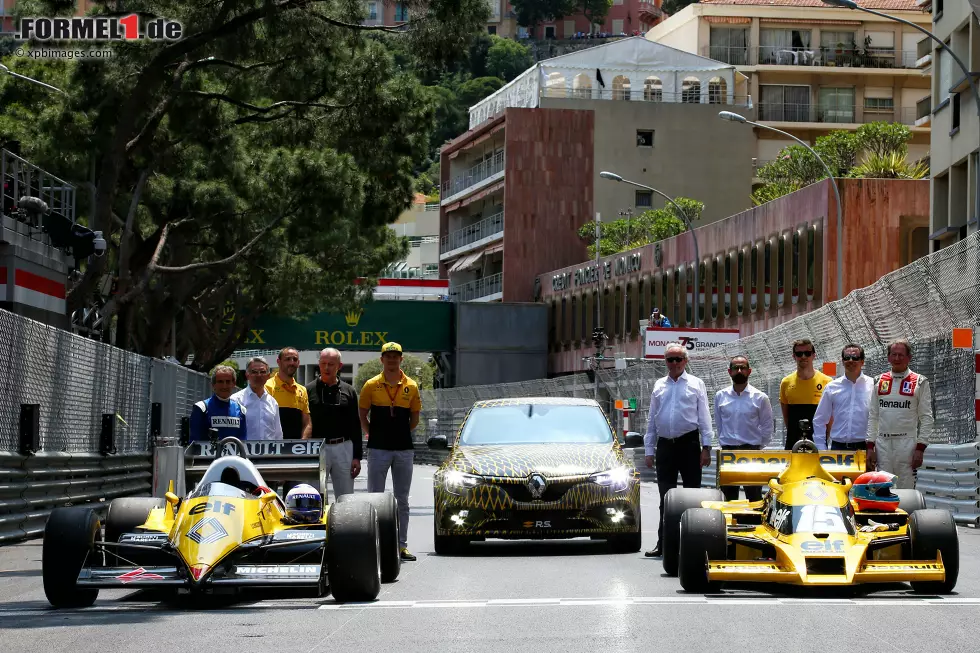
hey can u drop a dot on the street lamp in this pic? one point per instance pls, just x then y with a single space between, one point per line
18 76
697 257
734 117
850 4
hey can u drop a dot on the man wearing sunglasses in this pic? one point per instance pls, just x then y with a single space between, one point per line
844 405
678 413
743 416
800 392
899 418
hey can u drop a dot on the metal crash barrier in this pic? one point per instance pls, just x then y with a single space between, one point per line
32 486
950 478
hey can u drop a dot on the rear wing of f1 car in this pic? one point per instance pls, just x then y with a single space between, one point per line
757 467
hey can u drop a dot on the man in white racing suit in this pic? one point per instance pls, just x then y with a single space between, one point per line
899 417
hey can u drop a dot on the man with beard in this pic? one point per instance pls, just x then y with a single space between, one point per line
294 402
743 416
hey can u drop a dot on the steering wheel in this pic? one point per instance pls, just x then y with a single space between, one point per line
242 451
805 446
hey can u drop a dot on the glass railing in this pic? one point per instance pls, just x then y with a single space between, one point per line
477 289
485 228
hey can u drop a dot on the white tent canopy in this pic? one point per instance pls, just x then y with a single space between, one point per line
633 65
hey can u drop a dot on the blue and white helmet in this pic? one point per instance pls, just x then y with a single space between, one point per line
304 504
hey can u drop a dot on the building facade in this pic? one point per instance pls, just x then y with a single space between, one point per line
955 127
420 225
813 68
518 186
625 17
758 268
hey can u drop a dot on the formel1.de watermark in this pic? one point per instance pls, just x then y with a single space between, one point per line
98 28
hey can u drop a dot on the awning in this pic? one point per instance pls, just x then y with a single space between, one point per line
728 20
483 193
465 262
476 141
810 21
493 249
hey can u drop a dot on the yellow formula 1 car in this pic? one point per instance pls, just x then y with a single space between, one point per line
231 531
807 530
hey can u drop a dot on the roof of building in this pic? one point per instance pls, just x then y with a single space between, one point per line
885 5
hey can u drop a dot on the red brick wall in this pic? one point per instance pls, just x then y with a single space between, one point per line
547 194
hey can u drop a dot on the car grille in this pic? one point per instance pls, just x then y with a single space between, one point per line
553 491
825 566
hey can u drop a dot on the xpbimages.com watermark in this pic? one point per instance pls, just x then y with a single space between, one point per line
98 28
63 53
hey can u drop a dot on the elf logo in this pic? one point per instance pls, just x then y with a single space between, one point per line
537 524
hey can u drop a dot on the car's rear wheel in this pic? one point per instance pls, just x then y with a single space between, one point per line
352 555
69 544
910 500
675 503
933 531
387 508
704 537
124 516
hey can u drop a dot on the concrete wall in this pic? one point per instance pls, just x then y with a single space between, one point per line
500 343
695 154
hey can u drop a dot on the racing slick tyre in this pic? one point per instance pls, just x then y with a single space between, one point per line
934 531
387 508
353 552
675 503
123 517
910 500
704 537
69 542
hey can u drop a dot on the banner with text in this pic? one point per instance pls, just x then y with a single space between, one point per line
694 339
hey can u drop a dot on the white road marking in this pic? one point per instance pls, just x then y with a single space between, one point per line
652 600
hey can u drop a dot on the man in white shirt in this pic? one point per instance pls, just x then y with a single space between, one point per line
265 425
844 405
678 412
743 415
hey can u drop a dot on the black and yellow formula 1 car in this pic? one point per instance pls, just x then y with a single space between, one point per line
536 468
231 531
806 530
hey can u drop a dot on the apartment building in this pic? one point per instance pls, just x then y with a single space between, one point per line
629 17
518 186
955 127
420 224
814 68
7 26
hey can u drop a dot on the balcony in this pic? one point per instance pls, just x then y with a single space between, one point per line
485 289
785 112
923 53
716 95
772 55
471 236
482 173
923 112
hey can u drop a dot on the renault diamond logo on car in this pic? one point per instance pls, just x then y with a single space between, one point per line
536 484
207 531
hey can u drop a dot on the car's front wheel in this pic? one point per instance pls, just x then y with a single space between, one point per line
704 537
933 531
69 544
353 552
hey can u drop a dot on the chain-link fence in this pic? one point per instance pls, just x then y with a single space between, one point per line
921 302
76 380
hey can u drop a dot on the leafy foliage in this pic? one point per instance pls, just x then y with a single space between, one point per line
890 166
413 366
507 59
251 167
530 13
648 227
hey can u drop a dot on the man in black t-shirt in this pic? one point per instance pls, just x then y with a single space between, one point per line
333 413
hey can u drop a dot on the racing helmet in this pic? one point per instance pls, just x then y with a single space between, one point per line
873 491
304 505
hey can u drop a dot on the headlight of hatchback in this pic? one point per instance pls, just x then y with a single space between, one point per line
617 479
457 481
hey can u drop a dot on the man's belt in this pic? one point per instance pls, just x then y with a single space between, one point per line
894 435
681 436
334 440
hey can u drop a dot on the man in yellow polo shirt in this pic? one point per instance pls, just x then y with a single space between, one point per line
800 392
389 407
293 400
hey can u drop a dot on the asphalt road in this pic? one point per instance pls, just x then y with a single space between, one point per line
512 596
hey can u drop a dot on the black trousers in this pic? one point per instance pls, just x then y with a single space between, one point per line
752 492
678 455
848 446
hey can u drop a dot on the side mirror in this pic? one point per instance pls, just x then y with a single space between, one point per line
438 442
172 498
633 440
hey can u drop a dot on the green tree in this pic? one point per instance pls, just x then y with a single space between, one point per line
595 11
413 366
890 166
648 227
532 12
507 59
474 90
884 138
250 167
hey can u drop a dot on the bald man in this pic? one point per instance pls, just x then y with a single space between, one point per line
335 420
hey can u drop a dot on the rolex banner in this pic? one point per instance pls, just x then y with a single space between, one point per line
694 340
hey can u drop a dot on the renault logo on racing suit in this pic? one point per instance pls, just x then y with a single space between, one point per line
536 484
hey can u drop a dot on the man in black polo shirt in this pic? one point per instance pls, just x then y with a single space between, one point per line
333 412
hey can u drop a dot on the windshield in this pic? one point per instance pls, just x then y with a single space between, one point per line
217 490
536 424
810 519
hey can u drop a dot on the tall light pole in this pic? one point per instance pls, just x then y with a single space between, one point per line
34 81
850 4
734 117
629 221
687 221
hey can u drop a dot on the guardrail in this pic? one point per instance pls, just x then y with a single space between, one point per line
32 486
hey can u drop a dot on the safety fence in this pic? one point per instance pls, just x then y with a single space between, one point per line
32 486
